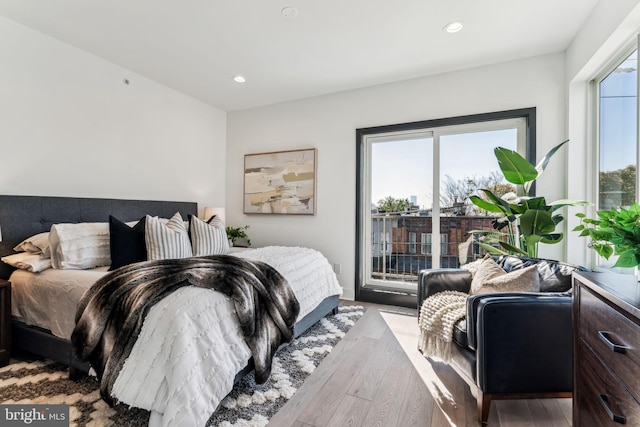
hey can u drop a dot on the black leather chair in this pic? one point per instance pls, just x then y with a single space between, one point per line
512 345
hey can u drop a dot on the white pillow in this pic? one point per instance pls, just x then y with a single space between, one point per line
167 241
37 244
80 246
28 262
491 278
208 238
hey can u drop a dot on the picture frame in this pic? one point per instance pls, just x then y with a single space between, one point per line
281 182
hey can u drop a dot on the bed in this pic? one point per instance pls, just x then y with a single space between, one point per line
24 216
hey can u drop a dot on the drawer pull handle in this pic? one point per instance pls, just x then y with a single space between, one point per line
604 401
604 336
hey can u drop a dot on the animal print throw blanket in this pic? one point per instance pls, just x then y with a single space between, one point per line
438 315
111 313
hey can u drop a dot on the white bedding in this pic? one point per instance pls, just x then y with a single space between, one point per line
190 346
183 372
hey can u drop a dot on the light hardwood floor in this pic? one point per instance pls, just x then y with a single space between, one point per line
375 376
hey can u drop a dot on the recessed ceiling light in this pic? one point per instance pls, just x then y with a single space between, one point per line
239 79
453 27
289 12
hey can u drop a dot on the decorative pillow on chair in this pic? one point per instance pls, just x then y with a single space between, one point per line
555 276
127 243
485 271
167 241
491 278
208 238
473 266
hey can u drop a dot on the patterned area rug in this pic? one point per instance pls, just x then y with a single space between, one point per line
248 405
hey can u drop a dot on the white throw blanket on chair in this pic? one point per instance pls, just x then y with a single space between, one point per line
438 314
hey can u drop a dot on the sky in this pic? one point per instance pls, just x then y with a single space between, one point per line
404 168
618 116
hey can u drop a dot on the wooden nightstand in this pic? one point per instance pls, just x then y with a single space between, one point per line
5 321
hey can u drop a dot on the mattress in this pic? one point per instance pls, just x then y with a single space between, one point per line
49 299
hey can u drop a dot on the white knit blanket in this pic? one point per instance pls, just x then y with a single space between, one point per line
438 315
191 346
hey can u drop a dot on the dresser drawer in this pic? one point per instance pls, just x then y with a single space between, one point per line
601 397
613 337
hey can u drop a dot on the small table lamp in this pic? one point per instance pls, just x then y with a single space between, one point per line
209 212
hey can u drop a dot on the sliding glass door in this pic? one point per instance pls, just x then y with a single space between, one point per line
414 208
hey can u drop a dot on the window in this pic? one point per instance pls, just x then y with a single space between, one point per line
412 242
444 244
617 96
414 181
425 247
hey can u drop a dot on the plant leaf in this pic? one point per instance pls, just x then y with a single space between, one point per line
568 202
552 238
492 249
604 250
515 168
538 203
486 205
534 222
627 259
542 164
512 249
498 201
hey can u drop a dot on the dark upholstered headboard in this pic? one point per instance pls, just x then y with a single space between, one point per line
24 216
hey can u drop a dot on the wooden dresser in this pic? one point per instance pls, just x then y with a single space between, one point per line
606 349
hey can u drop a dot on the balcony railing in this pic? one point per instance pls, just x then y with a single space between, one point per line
401 244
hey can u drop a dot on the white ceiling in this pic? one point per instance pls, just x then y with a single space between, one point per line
197 46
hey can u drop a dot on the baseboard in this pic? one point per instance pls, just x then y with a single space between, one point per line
387 298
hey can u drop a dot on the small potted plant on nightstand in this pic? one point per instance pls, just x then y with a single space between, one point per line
238 236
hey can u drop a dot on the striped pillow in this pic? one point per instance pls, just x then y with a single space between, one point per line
208 238
168 240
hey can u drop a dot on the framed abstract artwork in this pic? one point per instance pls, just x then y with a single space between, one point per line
280 182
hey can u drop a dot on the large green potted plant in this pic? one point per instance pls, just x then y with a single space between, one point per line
524 220
614 232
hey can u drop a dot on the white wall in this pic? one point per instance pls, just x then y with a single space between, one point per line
610 27
69 126
329 124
